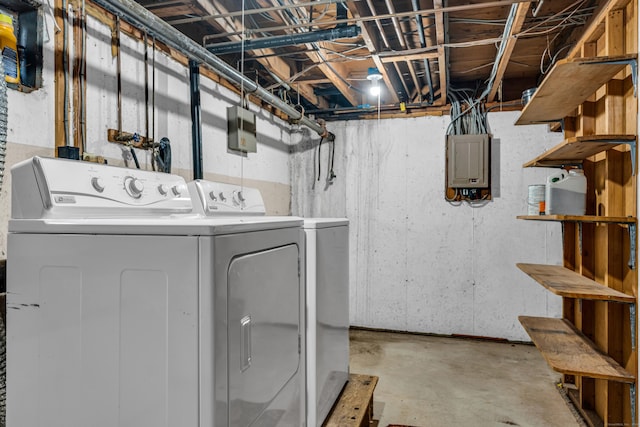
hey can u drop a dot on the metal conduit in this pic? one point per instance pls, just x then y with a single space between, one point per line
157 28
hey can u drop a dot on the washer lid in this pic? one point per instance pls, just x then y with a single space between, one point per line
324 222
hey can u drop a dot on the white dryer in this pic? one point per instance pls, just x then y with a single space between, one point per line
126 309
327 337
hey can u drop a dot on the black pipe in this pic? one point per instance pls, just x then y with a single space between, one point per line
196 122
285 40
423 43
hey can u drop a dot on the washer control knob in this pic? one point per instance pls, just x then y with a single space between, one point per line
221 196
238 198
98 184
135 187
162 189
212 196
178 189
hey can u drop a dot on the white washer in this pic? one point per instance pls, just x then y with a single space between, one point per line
125 309
327 288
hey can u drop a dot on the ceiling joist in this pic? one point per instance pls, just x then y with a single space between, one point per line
518 22
442 52
403 39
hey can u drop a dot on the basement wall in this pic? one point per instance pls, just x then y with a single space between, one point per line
31 121
419 263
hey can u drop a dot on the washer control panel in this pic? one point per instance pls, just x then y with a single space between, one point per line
217 198
71 188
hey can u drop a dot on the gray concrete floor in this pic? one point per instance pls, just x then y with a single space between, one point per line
428 381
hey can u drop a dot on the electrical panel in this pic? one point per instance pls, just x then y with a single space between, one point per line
241 130
468 161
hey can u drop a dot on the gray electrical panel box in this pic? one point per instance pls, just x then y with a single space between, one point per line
241 129
468 161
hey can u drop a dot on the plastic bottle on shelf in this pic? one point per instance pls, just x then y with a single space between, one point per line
9 47
566 193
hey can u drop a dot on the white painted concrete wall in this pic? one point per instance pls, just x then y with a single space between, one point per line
419 263
31 121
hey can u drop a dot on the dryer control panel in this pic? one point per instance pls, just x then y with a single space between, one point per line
217 198
60 188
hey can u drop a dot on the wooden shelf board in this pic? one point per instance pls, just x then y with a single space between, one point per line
581 218
567 351
575 150
569 83
567 283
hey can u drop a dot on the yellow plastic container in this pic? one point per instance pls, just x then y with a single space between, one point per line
9 48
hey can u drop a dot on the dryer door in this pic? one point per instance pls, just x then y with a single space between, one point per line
263 335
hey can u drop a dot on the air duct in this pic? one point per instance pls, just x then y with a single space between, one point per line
140 17
285 40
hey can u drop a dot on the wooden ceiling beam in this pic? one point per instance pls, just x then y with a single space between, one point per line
373 50
411 57
274 64
442 52
403 44
335 72
518 22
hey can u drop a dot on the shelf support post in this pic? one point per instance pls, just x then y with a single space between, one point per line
580 237
632 395
632 246
632 321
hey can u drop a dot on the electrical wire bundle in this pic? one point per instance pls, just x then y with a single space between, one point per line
469 117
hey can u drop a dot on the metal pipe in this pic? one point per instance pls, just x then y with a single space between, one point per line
160 30
118 73
249 11
284 40
423 44
196 120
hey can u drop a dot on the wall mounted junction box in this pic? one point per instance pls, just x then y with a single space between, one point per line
468 161
241 130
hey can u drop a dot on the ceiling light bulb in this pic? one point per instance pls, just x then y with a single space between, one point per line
375 90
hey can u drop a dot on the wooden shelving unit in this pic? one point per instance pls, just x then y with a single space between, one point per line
576 149
555 99
567 283
568 351
593 93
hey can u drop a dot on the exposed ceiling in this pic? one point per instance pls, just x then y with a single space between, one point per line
428 52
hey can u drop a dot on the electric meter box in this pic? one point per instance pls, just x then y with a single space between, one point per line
468 161
241 130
